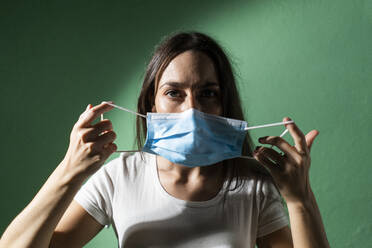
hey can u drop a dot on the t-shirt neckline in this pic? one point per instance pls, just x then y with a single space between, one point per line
192 204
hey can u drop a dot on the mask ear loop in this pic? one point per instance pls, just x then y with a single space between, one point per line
268 125
127 110
246 129
124 109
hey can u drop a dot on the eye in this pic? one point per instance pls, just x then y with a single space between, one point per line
209 93
173 93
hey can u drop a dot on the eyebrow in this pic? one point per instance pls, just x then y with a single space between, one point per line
183 85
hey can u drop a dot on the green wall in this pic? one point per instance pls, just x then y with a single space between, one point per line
310 60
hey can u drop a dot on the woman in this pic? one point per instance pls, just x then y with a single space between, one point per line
153 201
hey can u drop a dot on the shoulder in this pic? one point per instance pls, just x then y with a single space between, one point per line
127 165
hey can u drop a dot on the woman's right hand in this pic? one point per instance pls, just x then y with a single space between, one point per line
90 145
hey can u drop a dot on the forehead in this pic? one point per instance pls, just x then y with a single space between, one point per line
189 67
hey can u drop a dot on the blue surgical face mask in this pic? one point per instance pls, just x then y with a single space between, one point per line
194 138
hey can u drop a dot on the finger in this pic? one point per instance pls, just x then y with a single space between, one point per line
297 135
98 159
102 127
102 156
279 142
92 113
272 155
108 150
265 161
96 130
84 134
310 137
104 139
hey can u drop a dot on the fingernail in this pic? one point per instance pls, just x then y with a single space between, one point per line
262 138
87 107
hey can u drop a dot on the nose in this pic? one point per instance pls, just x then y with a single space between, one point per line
192 102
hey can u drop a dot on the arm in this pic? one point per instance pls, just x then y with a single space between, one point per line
291 174
306 224
89 147
278 239
76 228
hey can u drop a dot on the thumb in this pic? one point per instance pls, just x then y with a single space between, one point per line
310 137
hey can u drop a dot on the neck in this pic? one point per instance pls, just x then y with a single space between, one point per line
184 174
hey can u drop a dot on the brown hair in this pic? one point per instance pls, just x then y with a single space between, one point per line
168 49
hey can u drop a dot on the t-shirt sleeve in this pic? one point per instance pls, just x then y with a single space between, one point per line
272 215
96 195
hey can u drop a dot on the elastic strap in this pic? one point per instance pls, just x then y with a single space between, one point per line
246 129
269 125
125 109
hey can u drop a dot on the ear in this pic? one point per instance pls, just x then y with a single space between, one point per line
153 109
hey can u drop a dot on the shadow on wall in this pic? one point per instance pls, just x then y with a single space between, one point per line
57 57
302 58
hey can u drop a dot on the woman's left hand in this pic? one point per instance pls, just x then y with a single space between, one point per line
290 170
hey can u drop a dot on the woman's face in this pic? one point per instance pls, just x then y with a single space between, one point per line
189 81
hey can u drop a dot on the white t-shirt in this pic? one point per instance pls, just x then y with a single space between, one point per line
127 193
